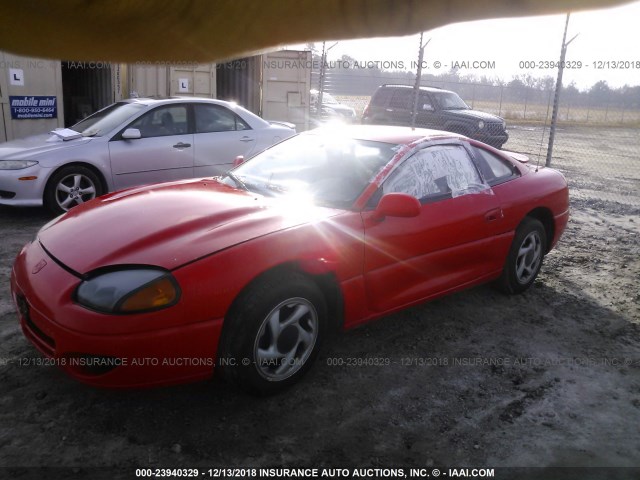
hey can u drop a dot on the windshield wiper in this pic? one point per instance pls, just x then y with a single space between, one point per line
239 183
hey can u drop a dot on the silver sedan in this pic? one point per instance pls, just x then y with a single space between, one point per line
129 143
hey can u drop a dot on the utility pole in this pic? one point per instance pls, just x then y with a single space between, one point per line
556 98
416 87
322 77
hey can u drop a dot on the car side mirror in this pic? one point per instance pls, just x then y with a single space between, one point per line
239 160
131 134
397 205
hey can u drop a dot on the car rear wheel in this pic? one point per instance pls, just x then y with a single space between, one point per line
71 186
273 334
525 257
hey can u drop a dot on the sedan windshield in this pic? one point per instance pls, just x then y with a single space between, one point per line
450 101
325 169
107 119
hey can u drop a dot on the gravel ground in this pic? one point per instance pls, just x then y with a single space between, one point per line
478 379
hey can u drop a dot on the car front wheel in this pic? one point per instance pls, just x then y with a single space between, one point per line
273 333
71 186
525 257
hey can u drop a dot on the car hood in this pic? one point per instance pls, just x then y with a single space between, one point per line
475 114
26 148
338 107
166 225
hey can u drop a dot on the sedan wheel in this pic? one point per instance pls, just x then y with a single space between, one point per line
273 333
71 186
525 257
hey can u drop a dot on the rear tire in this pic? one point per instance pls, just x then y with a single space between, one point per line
71 186
273 333
525 257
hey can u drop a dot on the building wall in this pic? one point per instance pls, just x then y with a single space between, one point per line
286 82
267 85
160 80
24 77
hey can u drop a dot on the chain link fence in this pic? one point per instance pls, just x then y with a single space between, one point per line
597 142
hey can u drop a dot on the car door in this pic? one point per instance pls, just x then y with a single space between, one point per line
220 136
398 112
426 116
455 240
163 153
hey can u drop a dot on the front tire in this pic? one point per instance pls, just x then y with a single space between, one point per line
525 257
71 186
273 333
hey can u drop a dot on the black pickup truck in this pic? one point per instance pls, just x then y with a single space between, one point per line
437 109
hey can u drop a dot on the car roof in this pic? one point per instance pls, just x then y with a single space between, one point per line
384 133
176 99
425 89
254 120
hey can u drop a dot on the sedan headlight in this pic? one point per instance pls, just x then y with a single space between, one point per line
133 290
16 164
480 124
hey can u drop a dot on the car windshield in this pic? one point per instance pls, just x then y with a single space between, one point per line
327 170
450 101
107 119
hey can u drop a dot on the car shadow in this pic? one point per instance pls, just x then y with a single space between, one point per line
384 391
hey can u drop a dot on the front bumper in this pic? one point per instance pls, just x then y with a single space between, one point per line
19 188
494 139
104 353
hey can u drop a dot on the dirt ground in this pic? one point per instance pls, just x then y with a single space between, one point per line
477 379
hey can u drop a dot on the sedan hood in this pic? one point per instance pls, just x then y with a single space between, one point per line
30 147
166 225
338 107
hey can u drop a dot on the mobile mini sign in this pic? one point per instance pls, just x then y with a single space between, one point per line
25 107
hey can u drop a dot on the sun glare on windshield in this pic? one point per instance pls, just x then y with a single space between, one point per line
330 170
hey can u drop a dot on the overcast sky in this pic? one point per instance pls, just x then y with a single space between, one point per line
611 35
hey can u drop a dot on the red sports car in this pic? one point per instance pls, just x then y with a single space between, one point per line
246 274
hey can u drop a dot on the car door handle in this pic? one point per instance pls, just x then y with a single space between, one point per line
181 145
247 139
493 215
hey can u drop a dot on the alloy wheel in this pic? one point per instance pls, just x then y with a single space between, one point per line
286 339
529 257
73 190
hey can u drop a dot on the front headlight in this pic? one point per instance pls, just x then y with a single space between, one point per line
480 124
504 125
132 290
16 164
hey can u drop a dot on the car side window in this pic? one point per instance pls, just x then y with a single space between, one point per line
162 121
216 118
436 173
401 99
494 169
424 102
